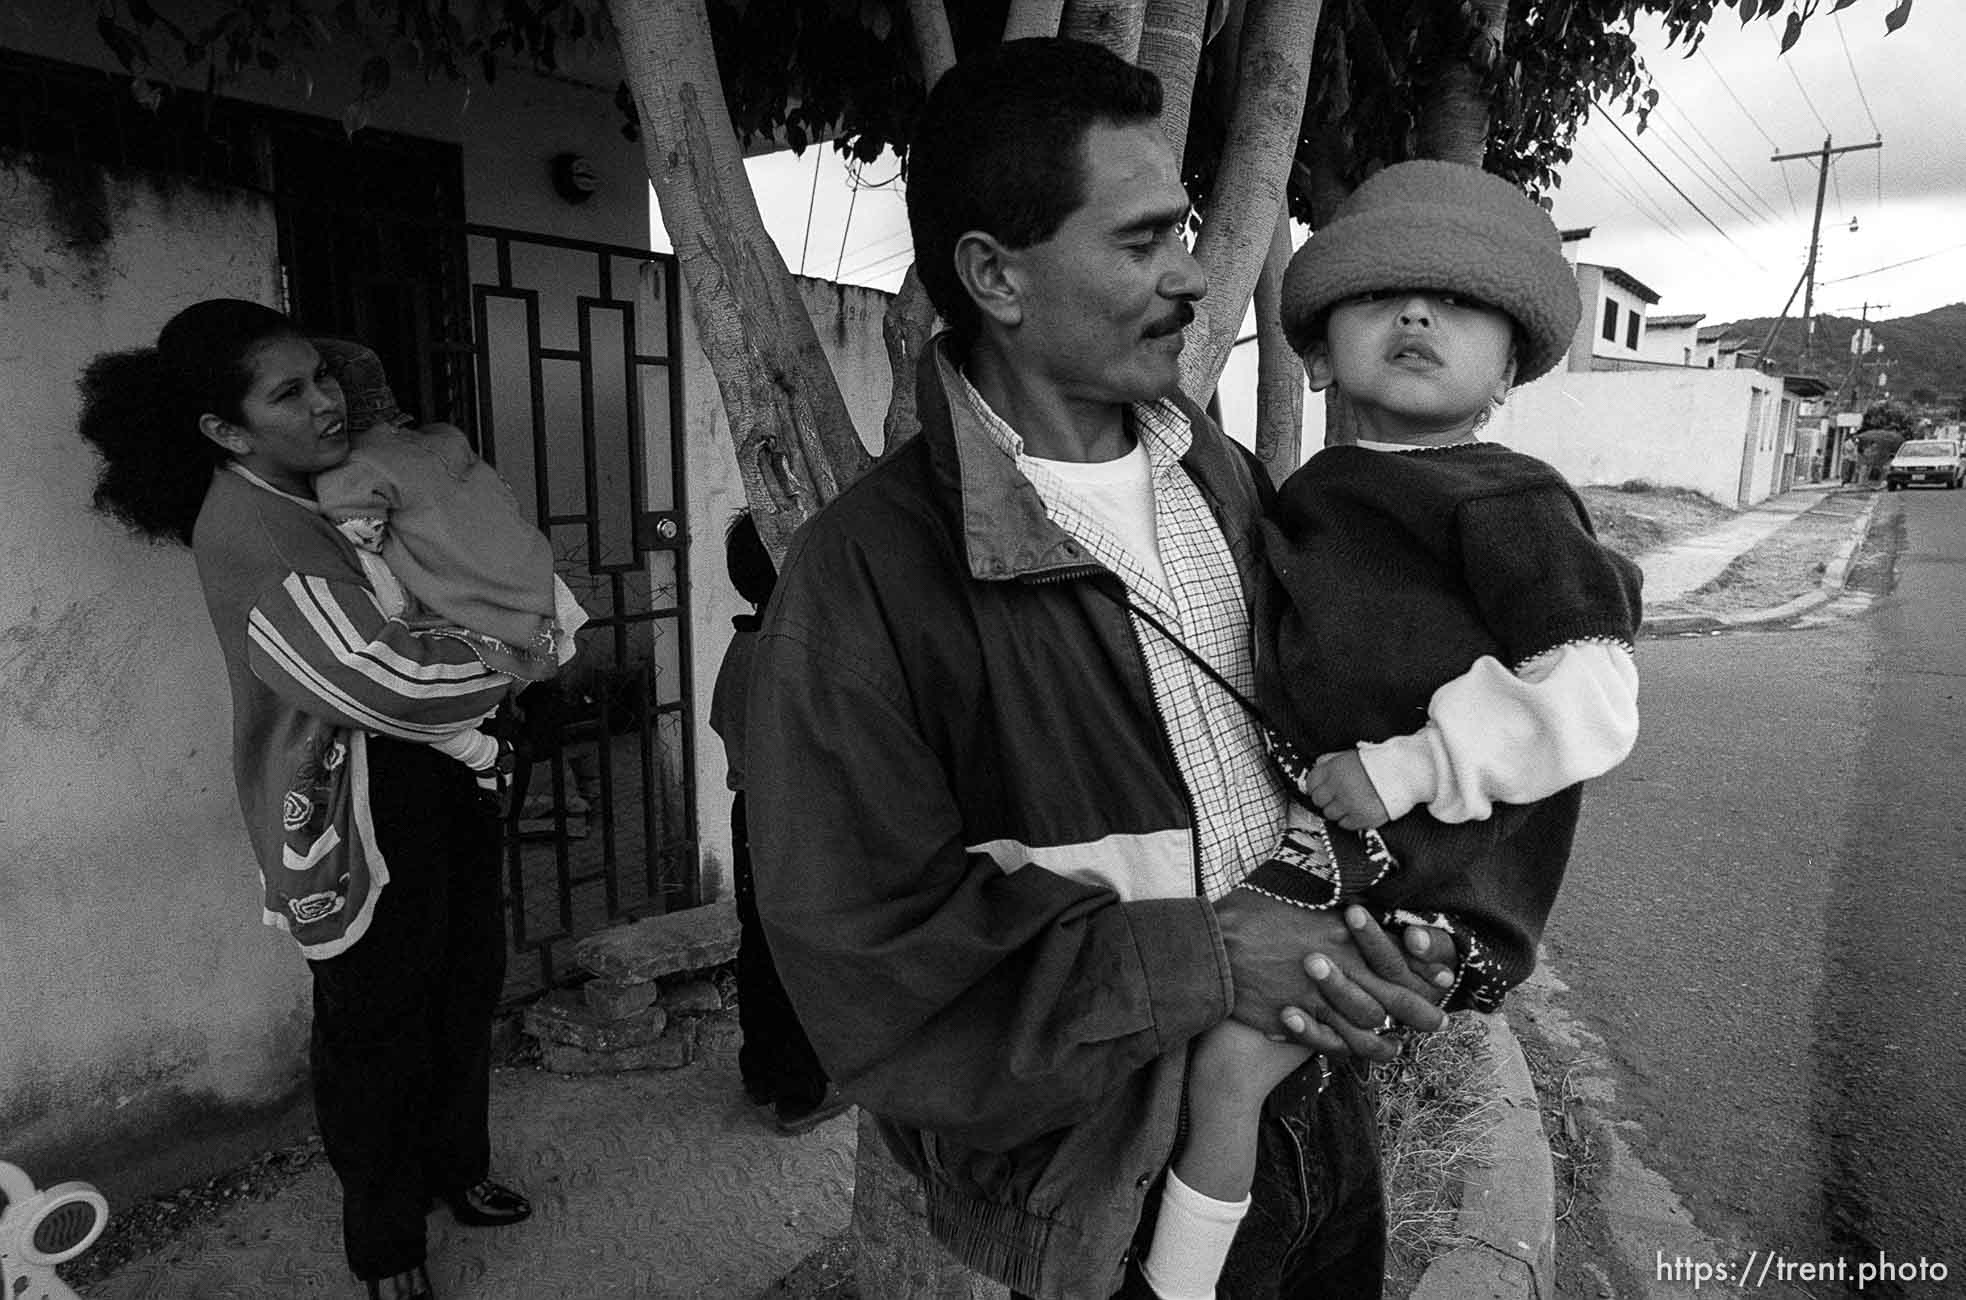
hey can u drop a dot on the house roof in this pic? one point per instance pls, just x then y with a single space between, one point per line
1708 333
1629 283
1675 322
1575 233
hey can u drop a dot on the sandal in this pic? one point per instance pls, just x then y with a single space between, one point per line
488 1204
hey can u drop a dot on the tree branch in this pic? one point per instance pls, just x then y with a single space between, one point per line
1114 24
1171 36
1272 74
1279 375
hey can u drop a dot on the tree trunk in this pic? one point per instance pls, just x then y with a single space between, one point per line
1273 73
1114 24
1454 123
1279 374
1033 18
910 318
1171 36
796 444
934 46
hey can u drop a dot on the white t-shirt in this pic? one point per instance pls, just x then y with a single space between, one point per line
1121 493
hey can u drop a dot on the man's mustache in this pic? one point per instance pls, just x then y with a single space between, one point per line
1182 317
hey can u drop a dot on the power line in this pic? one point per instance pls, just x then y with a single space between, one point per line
1922 257
853 196
1640 203
1855 80
817 156
1746 185
1682 193
1753 121
1790 69
1702 169
1737 101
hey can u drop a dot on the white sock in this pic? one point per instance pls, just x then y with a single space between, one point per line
1191 1240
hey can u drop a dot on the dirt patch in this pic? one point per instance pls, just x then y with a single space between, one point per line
1636 517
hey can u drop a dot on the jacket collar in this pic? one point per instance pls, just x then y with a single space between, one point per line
1006 533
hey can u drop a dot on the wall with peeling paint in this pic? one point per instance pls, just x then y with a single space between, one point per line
848 321
136 981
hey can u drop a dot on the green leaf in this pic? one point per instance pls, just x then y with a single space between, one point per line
1791 32
1898 17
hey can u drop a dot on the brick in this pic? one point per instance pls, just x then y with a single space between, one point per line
609 1000
563 1016
692 997
676 1048
662 945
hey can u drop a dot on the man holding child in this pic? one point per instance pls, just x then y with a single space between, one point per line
1001 811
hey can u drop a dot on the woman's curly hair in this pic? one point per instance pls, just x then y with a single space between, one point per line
140 411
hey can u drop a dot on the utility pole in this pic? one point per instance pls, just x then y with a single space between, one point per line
1815 234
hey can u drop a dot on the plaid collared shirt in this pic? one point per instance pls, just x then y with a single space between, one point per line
1239 801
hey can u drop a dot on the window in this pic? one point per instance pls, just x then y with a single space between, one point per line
1611 321
1631 331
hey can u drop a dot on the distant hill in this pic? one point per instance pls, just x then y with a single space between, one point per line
1926 351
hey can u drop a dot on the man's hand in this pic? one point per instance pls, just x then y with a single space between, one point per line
1358 979
1366 991
1340 789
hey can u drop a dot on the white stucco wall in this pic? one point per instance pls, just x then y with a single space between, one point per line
848 321
136 975
1676 428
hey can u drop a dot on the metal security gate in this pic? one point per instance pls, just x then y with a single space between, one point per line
578 390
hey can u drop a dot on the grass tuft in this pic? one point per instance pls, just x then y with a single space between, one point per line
1432 1118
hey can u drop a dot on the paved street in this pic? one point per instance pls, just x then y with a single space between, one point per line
1762 922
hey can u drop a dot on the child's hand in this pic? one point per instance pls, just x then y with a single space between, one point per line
1343 792
1235 1067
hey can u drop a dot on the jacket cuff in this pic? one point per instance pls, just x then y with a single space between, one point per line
1179 943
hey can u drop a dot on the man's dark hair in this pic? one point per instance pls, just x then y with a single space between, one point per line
997 149
751 569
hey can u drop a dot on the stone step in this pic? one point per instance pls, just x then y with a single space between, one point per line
640 951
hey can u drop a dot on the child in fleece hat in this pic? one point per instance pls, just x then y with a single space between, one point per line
1422 576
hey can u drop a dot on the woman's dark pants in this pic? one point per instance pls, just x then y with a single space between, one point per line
401 1050
775 1060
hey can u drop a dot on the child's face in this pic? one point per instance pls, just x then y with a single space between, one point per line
1419 365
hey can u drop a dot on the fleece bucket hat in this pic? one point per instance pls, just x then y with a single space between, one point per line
1444 226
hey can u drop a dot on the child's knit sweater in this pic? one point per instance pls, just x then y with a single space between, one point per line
1397 574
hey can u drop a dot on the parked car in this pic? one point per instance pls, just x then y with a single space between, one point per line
1927 460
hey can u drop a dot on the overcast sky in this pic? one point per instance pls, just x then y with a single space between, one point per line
1722 114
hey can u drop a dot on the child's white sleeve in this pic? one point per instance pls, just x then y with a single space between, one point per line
1493 736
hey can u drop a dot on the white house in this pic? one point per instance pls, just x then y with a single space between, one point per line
1671 339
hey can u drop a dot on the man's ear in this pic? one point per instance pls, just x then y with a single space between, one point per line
1317 366
226 435
990 274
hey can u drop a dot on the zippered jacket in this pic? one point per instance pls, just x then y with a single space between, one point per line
960 792
314 667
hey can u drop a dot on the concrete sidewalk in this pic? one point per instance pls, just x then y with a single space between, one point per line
1686 566
653 1185
1677 571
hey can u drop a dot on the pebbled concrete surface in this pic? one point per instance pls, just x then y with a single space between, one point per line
659 1185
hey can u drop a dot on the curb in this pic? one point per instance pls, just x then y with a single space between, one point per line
1835 574
1508 1198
